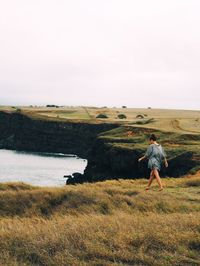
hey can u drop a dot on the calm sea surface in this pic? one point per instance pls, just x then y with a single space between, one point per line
41 169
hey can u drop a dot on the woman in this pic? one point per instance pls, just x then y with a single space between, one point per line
156 155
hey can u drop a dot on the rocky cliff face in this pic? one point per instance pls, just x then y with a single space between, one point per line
106 162
105 159
20 132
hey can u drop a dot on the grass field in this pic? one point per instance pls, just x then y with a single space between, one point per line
180 121
104 223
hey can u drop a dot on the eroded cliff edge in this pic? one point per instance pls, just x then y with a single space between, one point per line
20 132
109 148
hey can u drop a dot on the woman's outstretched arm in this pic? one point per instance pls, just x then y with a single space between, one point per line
165 162
147 154
164 156
142 158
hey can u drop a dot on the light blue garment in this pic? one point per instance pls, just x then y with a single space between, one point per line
156 154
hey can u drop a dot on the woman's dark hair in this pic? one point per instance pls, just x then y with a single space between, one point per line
153 137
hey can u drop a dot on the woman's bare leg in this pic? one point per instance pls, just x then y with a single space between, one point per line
156 173
150 180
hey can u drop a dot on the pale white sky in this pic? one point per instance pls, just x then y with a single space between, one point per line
109 52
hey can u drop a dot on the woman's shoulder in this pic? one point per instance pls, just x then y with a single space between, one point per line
154 144
158 144
150 145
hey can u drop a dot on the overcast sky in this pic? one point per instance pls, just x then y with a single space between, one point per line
137 53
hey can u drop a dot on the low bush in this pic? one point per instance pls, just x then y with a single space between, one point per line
122 116
102 116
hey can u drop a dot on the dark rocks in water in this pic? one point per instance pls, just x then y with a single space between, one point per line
67 176
75 178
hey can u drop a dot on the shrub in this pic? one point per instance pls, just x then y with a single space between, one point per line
139 116
52 105
144 122
102 116
121 116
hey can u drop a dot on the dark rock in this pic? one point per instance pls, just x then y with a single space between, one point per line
75 178
67 176
20 132
181 164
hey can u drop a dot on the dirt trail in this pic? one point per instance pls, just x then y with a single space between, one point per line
87 112
175 123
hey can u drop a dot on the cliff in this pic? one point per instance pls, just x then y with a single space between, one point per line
107 162
21 132
111 151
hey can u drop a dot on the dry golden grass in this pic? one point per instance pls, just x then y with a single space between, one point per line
180 121
104 223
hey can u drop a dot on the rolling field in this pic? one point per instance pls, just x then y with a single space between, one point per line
180 121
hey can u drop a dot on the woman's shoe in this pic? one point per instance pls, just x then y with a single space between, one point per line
147 188
160 189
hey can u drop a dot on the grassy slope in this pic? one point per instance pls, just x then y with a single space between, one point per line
105 223
113 222
179 130
173 142
181 121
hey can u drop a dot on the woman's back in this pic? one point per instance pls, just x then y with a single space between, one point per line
158 151
155 150
155 154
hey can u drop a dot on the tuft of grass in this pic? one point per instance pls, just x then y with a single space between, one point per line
195 182
15 186
194 170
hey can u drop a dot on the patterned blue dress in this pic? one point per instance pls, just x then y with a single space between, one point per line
156 154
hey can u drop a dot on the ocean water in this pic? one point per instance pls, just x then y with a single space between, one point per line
41 169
